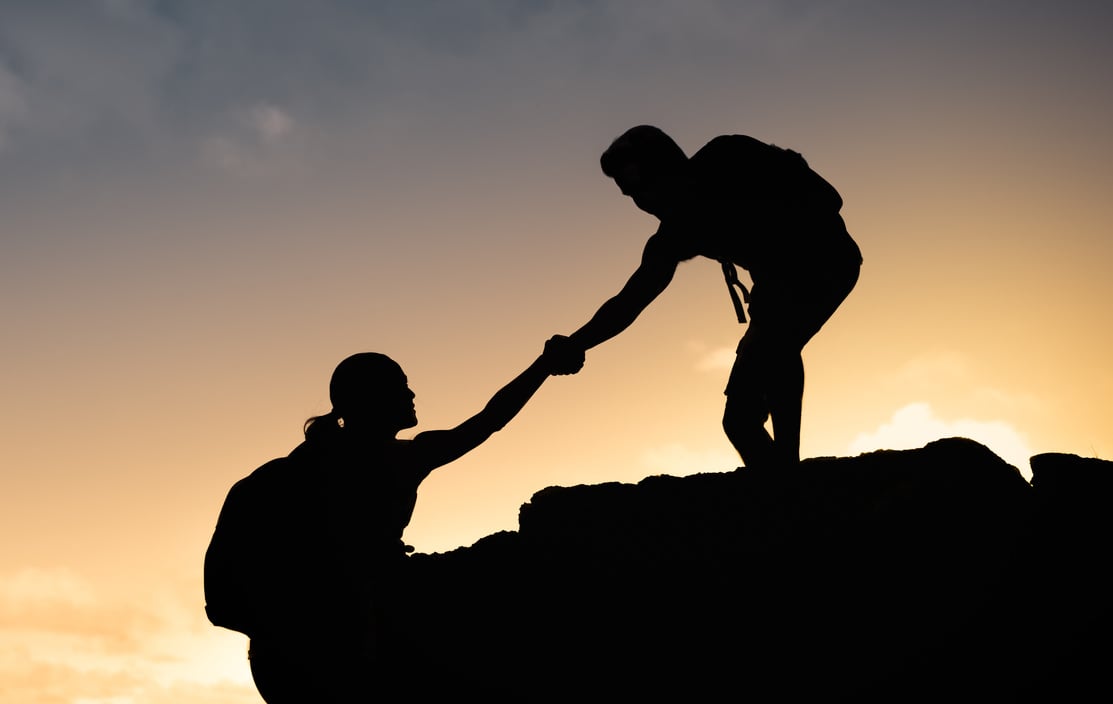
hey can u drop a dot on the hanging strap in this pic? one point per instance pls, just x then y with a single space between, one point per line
730 273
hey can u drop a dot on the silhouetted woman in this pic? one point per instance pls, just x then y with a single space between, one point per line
330 537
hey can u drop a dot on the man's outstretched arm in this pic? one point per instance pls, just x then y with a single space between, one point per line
652 277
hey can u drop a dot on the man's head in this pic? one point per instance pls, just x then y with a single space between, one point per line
646 164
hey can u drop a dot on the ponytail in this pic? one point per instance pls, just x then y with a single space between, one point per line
322 428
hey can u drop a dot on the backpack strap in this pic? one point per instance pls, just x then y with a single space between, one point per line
730 273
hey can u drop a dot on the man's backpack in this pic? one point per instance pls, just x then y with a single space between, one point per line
737 166
743 169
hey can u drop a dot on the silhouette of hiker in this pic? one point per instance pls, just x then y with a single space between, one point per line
307 551
746 203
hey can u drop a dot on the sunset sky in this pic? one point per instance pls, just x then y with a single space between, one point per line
206 205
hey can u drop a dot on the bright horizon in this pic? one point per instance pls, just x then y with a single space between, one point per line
207 206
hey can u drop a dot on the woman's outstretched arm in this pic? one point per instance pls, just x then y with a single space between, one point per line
435 448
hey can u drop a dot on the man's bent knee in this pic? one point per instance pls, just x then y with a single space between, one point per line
743 419
744 411
744 424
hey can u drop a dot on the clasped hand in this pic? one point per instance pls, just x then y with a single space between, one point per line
563 356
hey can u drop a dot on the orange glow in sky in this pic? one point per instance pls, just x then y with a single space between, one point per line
204 213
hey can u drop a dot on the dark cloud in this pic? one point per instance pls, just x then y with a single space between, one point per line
151 92
121 79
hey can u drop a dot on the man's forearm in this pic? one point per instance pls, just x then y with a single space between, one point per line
618 312
611 319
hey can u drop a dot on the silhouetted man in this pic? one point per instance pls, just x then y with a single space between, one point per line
746 203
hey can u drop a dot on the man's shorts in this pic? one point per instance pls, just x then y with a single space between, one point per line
785 313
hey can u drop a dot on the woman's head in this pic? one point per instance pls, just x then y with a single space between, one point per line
369 393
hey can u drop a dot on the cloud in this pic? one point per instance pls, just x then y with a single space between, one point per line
931 369
679 460
712 359
952 372
36 587
222 153
269 122
58 632
916 424
13 104
29 681
60 604
91 67
247 144
126 9
169 72
716 359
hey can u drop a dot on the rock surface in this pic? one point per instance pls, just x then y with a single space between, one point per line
936 574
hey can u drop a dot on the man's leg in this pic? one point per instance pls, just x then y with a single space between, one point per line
796 311
750 439
747 406
786 398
